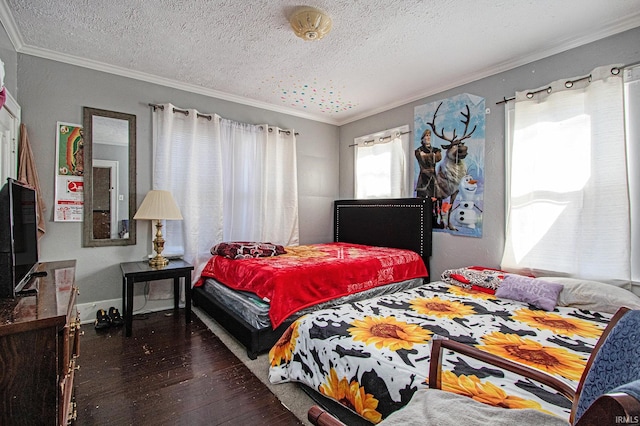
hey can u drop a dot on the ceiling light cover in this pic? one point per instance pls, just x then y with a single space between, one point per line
310 23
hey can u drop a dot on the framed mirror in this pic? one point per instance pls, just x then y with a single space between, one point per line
109 178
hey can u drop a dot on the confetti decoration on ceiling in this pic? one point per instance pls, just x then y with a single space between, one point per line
311 95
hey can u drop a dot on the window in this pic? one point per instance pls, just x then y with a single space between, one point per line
568 206
232 181
381 161
632 119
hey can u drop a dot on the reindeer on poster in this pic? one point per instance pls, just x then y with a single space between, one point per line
452 168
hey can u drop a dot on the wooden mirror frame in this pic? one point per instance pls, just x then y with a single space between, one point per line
87 227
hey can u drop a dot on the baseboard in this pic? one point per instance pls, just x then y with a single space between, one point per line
141 304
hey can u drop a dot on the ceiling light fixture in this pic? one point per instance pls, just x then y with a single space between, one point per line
310 23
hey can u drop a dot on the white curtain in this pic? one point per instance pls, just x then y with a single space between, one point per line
232 181
260 183
187 161
632 116
381 165
567 192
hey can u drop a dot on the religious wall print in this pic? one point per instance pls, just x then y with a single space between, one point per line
69 199
449 149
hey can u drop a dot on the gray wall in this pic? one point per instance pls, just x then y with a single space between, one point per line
50 91
455 251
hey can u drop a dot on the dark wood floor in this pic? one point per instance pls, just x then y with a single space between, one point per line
168 374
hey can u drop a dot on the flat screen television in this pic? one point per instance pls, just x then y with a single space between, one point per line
18 237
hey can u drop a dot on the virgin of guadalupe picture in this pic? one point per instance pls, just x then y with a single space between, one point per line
69 189
71 150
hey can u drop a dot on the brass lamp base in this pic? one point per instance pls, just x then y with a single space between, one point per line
158 261
158 245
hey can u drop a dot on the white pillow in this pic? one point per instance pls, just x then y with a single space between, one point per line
593 295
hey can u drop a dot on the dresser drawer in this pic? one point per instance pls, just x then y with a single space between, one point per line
70 363
67 403
39 348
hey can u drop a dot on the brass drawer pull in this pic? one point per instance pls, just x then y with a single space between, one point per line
73 412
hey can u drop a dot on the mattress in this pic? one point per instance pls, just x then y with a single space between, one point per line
255 311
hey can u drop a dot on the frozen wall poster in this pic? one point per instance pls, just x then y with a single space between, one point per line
449 149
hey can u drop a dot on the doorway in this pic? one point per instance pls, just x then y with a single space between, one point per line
105 205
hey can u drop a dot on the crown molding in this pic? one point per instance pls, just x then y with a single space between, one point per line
9 24
6 18
628 23
163 81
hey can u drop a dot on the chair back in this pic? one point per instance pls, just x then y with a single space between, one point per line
614 362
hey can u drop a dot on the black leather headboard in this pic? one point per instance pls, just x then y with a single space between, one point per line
399 223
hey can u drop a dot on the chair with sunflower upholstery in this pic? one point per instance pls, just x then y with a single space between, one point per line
608 391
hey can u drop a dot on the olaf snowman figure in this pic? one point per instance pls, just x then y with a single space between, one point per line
465 213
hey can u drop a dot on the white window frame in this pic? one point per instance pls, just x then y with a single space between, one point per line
385 139
632 122
631 78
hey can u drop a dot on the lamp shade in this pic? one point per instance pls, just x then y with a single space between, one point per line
158 205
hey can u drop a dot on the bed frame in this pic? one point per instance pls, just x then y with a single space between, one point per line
398 223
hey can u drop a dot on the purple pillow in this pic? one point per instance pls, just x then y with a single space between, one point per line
542 294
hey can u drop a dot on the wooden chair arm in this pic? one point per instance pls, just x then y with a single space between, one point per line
321 417
612 322
435 366
629 404
611 408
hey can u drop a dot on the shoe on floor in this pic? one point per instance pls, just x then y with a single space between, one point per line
102 320
115 317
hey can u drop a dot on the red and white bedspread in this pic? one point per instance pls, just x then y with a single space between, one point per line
312 274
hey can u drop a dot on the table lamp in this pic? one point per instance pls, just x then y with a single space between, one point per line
158 205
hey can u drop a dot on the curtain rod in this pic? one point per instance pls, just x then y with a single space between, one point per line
381 139
569 83
183 111
287 132
208 117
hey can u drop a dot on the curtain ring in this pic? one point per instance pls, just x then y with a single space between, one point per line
531 94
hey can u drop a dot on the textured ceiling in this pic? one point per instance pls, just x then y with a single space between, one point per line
380 53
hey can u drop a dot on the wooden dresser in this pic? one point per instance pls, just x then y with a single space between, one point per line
39 348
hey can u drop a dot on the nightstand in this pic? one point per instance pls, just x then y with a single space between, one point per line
136 272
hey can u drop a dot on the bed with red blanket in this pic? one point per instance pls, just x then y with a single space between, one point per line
380 246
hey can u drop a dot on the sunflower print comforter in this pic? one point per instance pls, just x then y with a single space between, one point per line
371 356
